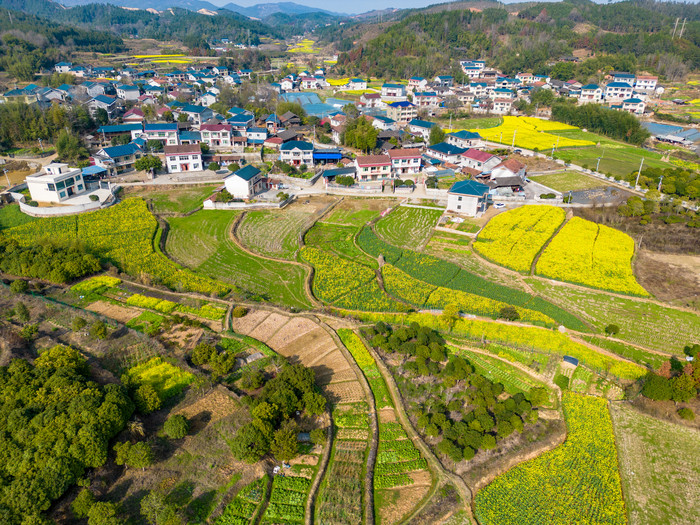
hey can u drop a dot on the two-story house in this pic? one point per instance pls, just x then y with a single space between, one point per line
426 99
591 93
420 127
297 153
464 139
618 91
445 152
467 197
646 83
128 93
165 132
393 92
373 167
118 159
479 160
246 183
109 104
405 161
185 157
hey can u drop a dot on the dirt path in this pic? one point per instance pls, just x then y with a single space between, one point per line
569 215
436 466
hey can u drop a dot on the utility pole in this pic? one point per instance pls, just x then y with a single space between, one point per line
8 179
552 150
660 181
639 173
682 28
675 27
597 164
514 132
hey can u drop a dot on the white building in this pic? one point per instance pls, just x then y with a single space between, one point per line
646 83
297 152
187 157
58 183
216 136
246 182
373 167
591 93
393 92
405 161
618 91
467 197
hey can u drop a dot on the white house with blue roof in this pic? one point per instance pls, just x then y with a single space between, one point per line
393 92
590 93
118 159
420 127
465 139
618 91
246 183
467 197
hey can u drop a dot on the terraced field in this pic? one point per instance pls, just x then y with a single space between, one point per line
408 227
203 241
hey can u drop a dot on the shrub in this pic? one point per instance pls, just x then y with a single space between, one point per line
147 399
22 312
686 413
345 180
202 354
94 198
561 381
509 313
98 330
318 436
252 379
78 324
176 427
239 311
19 286
612 329
214 166
234 166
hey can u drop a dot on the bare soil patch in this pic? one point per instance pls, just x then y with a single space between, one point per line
295 328
246 324
217 404
307 459
671 278
122 314
265 330
359 434
348 392
400 502
421 477
183 337
386 415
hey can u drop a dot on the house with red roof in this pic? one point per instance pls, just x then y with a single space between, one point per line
373 167
479 160
405 161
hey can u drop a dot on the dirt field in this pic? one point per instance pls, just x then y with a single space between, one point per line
399 502
660 468
304 341
672 278
386 415
123 314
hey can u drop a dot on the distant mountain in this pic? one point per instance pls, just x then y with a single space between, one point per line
256 11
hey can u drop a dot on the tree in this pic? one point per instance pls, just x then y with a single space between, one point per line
202 354
686 413
19 286
250 444
318 436
284 443
657 387
214 166
176 427
98 330
82 503
147 399
612 329
103 513
78 323
69 147
509 313
148 162
683 388
182 117
158 511
233 167
139 455
251 379
437 135
22 312
168 116
450 314
101 116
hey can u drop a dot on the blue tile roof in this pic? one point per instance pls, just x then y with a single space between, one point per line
464 134
119 128
447 149
421 123
247 172
301 144
469 187
121 151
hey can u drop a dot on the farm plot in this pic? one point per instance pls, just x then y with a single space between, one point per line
531 133
123 234
245 505
399 463
173 199
660 468
408 227
422 294
438 272
167 380
568 181
641 322
340 499
202 240
357 211
578 478
513 239
287 500
591 254
337 239
276 233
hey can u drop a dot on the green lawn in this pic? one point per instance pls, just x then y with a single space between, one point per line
618 158
273 233
641 322
175 200
660 468
202 241
408 227
568 181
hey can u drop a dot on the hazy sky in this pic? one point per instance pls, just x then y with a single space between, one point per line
353 7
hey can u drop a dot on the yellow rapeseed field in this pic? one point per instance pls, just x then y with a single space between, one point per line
531 133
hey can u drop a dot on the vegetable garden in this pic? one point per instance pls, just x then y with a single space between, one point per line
408 227
287 500
167 380
245 505
577 480
513 239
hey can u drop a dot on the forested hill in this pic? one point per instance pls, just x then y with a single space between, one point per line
425 42
29 43
191 28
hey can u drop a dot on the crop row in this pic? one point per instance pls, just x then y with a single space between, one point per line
397 456
578 478
531 133
404 466
594 255
96 284
514 238
391 431
335 276
387 481
160 305
287 499
293 483
122 234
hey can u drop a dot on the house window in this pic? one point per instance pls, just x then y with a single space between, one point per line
62 194
184 157
80 187
195 166
459 199
52 187
459 206
173 168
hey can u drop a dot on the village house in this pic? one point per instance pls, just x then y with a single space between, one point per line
401 112
133 116
297 153
246 183
216 136
371 100
63 67
445 152
426 99
618 91
467 197
618 76
479 160
57 183
509 168
646 83
256 136
182 158
109 104
196 114
443 80
634 105
118 159
405 161
464 139
393 92
417 84
421 128
373 167
128 93
165 132
357 84
591 93
502 106
383 123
